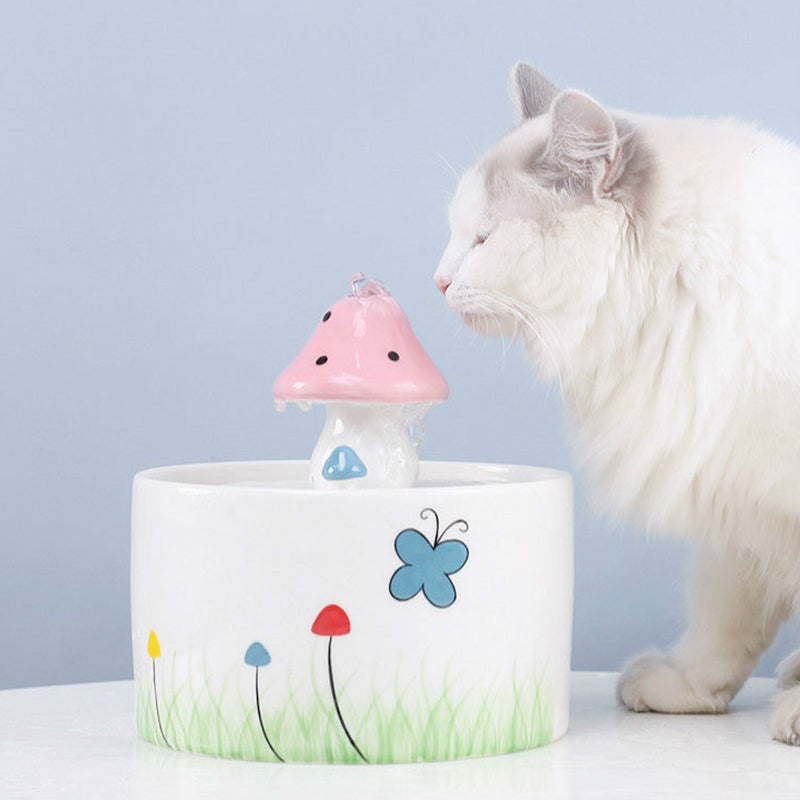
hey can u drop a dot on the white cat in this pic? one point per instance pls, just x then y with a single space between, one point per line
652 267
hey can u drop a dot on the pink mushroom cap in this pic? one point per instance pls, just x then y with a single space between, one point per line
363 350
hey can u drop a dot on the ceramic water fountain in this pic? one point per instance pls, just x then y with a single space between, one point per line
366 365
360 606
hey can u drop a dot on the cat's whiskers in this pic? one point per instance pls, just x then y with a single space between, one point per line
503 342
528 321
482 309
449 166
478 325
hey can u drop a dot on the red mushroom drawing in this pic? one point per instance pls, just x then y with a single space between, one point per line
333 621
365 364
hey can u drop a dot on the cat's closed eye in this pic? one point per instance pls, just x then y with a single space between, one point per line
480 239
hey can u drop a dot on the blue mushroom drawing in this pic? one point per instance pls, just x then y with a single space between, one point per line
427 566
257 656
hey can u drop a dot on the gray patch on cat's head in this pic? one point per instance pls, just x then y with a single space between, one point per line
531 91
569 149
582 144
578 152
509 171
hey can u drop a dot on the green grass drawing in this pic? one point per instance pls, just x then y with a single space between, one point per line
439 723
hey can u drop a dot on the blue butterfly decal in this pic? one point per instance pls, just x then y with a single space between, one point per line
427 567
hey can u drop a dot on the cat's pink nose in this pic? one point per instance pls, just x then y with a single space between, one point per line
442 284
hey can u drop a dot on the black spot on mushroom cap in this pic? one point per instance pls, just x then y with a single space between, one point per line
322 360
393 356
326 316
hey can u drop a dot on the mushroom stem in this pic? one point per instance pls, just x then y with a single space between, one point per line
261 723
375 433
158 713
336 704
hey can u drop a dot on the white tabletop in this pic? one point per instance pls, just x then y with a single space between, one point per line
78 741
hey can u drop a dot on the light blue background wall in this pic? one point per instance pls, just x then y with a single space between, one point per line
185 186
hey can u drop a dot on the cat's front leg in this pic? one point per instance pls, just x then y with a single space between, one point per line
788 671
732 620
785 722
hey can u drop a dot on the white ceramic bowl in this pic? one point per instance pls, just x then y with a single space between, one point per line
439 639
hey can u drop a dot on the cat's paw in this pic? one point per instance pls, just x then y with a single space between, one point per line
654 682
789 671
784 725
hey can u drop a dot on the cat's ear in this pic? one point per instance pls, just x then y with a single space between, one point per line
531 91
583 141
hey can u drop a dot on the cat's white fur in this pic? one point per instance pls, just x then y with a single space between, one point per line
652 267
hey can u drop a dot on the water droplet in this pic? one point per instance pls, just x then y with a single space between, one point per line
416 431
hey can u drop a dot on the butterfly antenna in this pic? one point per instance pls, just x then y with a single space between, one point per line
462 522
424 515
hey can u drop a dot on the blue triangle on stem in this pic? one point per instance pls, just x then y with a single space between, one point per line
343 464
